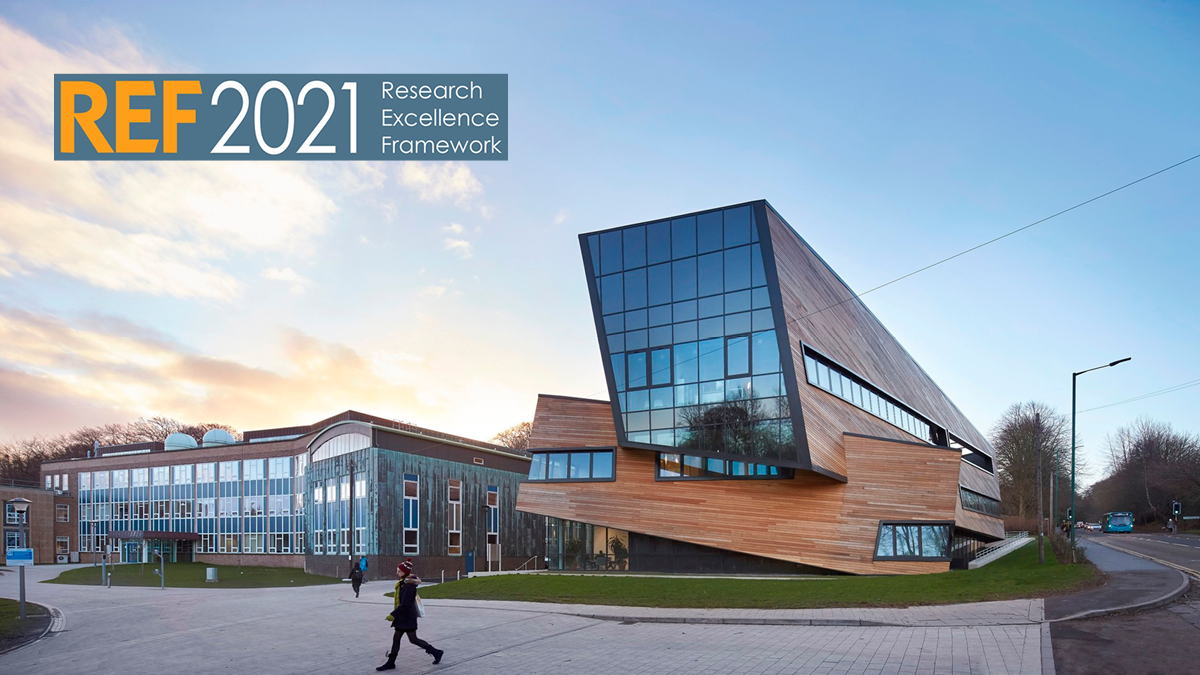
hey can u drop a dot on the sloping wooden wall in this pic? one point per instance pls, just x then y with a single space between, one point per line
567 422
809 519
850 334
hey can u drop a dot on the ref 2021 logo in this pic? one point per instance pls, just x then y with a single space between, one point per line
281 117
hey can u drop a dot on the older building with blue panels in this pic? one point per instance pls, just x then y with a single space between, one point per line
315 496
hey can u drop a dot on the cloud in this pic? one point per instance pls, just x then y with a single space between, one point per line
460 247
163 228
436 182
98 369
287 275
443 287
560 217
453 227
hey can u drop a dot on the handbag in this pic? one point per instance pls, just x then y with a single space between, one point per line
420 607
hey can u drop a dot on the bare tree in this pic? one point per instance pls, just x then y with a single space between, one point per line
1150 464
1015 438
516 436
21 459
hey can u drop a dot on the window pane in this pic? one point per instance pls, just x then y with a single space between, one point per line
760 298
635 289
884 547
602 465
683 279
714 306
611 294
659 279
668 465
660 336
639 400
660 366
708 232
765 353
659 316
658 242
935 541
593 244
737 389
712 392
637 370
758 276
738 301
810 369
610 252
683 237
766 386
687 394
739 355
711 328
537 467
635 320
737 323
685 311
693 466
558 465
737 226
737 268
581 465
635 246
685 332
712 360
618 366
686 363
711 274
907 540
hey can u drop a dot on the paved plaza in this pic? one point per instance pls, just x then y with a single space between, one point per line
323 629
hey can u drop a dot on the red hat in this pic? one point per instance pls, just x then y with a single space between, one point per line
405 567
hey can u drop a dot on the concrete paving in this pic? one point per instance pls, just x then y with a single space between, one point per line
324 629
1130 583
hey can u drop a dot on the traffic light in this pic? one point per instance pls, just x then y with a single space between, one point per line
1071 515
1176 508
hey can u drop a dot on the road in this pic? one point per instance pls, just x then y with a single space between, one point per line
1155 642
324 629
1178 549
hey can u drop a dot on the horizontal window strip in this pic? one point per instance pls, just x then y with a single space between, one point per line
671 466
573 465
976 502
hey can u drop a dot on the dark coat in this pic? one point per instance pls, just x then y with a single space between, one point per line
405 613
356 577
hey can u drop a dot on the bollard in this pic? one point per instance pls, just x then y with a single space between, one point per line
443 576
458 576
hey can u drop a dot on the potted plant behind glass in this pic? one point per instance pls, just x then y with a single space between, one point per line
573 548
620 552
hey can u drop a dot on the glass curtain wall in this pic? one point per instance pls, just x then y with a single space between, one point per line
690 334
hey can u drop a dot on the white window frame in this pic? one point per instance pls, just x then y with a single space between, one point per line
62 513
454 517
62 546
415 547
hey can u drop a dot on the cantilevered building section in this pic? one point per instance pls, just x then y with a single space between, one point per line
760 418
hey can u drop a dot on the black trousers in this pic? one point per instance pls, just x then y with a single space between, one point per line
412 637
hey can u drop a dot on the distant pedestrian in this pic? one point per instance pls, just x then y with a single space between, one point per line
356 579
404 616
362 565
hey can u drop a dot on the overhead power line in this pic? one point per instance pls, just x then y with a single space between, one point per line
856 296
1152 394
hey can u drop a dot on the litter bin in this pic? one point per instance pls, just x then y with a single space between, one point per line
210 574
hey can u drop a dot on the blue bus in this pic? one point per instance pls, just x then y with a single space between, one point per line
1118 521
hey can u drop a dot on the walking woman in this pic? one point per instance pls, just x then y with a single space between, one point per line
404 616
356 579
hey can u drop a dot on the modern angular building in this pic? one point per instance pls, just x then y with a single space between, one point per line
314 496
760 418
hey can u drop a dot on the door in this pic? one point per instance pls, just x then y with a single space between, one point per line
469 561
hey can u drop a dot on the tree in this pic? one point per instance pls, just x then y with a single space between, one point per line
22 459
1016 457
516 436
1150 464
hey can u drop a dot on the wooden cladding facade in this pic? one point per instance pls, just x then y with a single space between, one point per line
809 519
850 334
566 422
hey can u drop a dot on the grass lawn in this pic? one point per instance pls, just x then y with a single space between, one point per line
14 631
1016 575
191 575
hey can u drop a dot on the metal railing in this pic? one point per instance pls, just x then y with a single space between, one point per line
523 566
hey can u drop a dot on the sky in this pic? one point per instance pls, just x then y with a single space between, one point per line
450 294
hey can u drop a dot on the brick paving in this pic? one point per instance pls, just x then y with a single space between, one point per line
323 629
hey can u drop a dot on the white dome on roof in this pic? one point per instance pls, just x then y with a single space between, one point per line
178 441
217 437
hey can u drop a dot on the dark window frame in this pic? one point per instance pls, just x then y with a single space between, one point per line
785 473
917 523
592 451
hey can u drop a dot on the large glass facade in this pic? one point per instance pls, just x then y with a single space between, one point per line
690 335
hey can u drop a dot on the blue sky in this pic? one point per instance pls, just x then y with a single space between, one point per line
889 136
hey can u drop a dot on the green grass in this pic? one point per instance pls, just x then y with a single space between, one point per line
1017 575
13 631
191 575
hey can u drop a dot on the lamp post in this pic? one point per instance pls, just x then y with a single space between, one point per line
21 506
1073 378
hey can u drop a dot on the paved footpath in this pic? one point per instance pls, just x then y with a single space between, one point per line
323 629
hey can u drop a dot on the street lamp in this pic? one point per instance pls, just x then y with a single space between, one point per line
1073 377
21 506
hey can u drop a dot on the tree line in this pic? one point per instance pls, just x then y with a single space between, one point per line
1148 465
21 460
